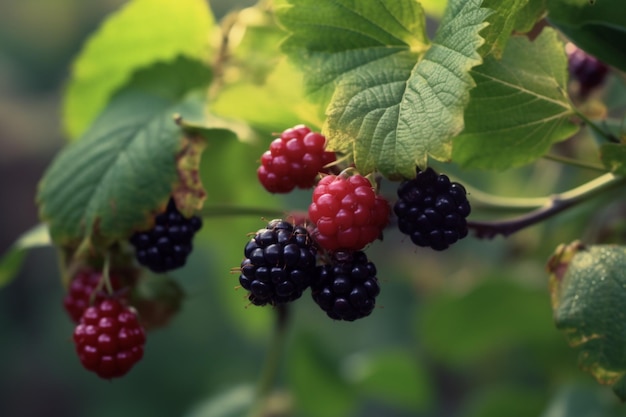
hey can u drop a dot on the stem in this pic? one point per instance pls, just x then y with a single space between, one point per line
272 361
554 205
504 203
574 162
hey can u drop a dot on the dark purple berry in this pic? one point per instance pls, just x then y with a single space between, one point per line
279 264
586 69
431 210
346 288
167 245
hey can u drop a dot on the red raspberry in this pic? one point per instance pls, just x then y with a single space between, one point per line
109 339
81 289
294 160
347 213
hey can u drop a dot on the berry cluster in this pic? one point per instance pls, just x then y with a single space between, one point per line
109 339
347 213
279 263
167 245
294 160
346 288
432 210
586 69
110 334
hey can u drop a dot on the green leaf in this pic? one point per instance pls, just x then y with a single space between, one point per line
519 107
501 24
99 189
140 34
11 260
394 376
529 15
317 385
588 289
434 8
598 27
394 98
614 157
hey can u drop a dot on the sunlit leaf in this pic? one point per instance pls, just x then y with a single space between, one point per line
394 97
519 103
140 34
501 24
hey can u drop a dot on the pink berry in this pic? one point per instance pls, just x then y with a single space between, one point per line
109 339
294 160
347 213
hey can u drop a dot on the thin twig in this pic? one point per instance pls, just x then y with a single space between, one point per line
554 205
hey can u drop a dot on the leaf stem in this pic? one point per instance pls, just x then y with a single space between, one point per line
272 361
574 162
553 205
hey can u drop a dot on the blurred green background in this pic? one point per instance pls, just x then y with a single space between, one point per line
467 332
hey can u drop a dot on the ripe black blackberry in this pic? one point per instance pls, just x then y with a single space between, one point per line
167 245
432 210
279 263
347 287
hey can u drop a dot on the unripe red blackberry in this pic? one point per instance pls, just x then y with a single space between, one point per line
279 263
347 287
347 213
109 340
294 160
80 293
167 245
589 71
432 210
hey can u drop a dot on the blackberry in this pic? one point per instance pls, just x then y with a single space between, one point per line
586 69
432 210
346 288
167 245
279 263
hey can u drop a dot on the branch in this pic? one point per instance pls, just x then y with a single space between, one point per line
554 205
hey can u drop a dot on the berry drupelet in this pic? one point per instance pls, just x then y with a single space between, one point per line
167 245
432 210
279 263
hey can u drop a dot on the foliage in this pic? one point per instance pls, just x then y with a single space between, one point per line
154 110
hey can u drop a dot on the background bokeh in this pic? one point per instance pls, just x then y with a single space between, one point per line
467 332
